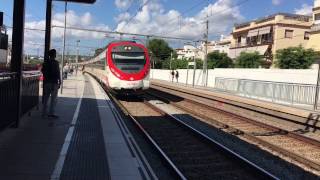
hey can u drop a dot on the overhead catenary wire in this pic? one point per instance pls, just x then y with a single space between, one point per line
221 11
132 17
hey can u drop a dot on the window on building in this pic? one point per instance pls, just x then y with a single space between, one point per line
306 35
288 33
317 17
239 39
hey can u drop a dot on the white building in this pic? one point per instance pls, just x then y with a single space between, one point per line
187 52
221 46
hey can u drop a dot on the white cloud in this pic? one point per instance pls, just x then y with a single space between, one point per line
153 19
304 10
122 17
85 20
276 2
123 4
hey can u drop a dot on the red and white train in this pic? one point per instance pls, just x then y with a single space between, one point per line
123 67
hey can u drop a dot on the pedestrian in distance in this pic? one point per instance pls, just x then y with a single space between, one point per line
172 75
51 84
177 76
83 69
65 71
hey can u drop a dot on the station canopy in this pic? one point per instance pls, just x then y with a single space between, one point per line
80 1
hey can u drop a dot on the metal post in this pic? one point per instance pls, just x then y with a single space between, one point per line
205 62
17 52
315 106
48 30
170 60
64 44
77 59
187 74
194 70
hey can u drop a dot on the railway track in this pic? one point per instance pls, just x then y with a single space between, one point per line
290 144
190 153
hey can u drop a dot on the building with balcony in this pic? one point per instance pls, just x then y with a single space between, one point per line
269 34
314 41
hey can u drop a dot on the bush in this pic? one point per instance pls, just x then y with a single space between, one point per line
219 60
295 58
249 60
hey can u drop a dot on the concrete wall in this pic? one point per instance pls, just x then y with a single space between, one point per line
308 76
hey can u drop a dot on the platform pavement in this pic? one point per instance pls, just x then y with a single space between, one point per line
70 147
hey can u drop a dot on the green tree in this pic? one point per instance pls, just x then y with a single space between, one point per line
219 60
249 60
295 58
159 49
98 51
199 63
35 61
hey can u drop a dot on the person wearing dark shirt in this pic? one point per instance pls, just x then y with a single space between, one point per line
51 84
177 76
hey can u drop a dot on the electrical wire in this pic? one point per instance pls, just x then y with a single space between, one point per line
139 9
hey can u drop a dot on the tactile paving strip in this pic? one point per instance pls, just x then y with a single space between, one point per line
86 157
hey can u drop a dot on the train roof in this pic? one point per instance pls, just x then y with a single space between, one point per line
122 41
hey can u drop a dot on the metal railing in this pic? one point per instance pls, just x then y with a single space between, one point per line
30 90
278 92
8 103
315 28
9 93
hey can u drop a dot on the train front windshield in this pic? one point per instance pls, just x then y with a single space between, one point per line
129 62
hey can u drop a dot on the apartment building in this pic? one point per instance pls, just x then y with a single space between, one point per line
314 41
269 34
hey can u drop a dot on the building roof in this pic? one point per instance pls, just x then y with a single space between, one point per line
271 17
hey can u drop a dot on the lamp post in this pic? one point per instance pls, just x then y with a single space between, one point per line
77 58
64 44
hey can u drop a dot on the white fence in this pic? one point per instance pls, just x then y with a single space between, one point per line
279 92
290 87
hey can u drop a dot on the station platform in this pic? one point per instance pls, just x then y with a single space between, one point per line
85 142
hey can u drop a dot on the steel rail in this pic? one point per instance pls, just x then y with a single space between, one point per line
235 104
292 155
148 136
224 148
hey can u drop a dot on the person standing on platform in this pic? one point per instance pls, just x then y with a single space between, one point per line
177 76
172 75
65 71
51 83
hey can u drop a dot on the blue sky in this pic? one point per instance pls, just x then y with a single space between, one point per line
179 18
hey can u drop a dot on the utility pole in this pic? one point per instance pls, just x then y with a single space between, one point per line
194 64
205 62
